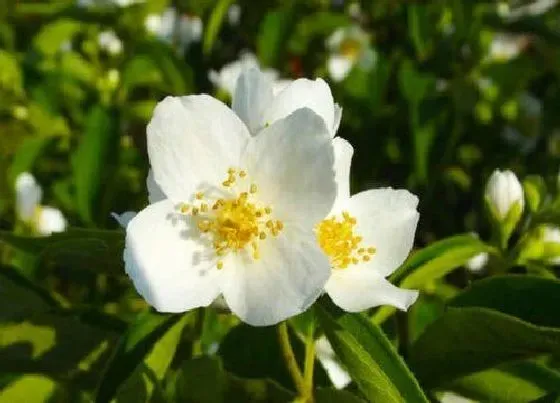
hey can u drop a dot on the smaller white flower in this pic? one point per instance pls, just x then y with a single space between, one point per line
505 47
110 42
366 236
477 263
226 78
234 15
551 234
503 190
325 354
43 220
348 47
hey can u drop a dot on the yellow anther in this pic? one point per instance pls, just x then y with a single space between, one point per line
279 225
242 174
204 207
267 210
262 235
253 188
231 171
361 250
220 265
194 211
366 258
226 183
269 224
184 208
199 195
371 250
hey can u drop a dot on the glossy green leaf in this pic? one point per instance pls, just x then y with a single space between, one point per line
273 32
97 250
51 37
95 160
532 299
144 352
371 360
466 340
10 74
214 24
523 381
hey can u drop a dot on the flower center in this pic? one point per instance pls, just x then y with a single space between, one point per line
236 222
350 48
340 243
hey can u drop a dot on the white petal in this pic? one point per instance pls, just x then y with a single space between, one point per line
343 152
337 117
315 95
280 85
339 67
386 219
193 140
124 218
168 266
28 196
50 220
291 161
357 288
252 95
155 193
285 281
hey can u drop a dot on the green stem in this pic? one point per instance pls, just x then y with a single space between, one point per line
309 363
290 358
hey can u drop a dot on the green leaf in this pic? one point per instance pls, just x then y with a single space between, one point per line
420 29
147 347
371 360
53 35
532 299
272 36
317 25
415 85
432 263
26 155
10 75
466 340
97 250
329 395
214 24
523 381
28 388
254 352
95 160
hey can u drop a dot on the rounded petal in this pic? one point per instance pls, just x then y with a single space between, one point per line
28 196
193 140
337 117
50 220
291 161
253 94
303 93
386 219
339 67
124 218
284 282
355 289
169 268
343 152
155 193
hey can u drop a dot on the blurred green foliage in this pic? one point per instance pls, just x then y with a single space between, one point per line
454 90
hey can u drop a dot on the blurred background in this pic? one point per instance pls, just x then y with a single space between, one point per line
436 95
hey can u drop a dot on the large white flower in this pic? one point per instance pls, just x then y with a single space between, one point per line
43 220
367 236
226 78
239 211
348 47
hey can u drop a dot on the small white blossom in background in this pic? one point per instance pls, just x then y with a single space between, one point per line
535 8
505 47
188 28
110 42
238 218
503 190
43 220
450 397
234 15
226 78
326 356
551 234
114 3
349 47
476 264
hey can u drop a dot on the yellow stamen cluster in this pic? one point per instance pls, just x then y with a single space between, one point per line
338 241
350 48
233 224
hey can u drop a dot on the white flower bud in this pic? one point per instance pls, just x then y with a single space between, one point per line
503 191
551 235
477 263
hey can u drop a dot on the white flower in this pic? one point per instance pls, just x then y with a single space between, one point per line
367 236
505 47
450 397
110 42
43 220
234 14
238 218
190 30
503 190
551 234
476 263
226 78
349 46
325 354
